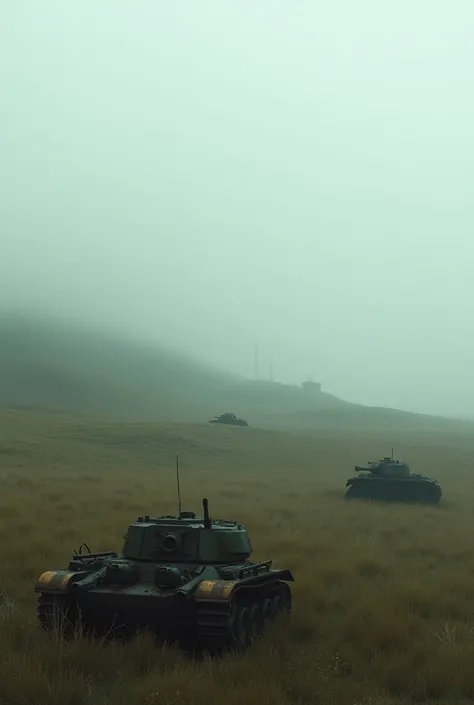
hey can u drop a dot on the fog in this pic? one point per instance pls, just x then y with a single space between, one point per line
295 177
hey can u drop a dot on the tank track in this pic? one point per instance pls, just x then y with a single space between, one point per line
56 613
236 624
411 491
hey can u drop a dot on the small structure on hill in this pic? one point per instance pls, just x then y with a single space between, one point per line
311 387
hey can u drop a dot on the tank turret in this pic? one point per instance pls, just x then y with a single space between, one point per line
387 467
186 576
187 540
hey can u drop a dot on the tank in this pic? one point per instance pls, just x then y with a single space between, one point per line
186 577
230 419
391 480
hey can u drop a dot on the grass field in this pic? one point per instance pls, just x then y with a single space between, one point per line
383 595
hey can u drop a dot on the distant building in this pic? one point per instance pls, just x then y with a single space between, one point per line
311 387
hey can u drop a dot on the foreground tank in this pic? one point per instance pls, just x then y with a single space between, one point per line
230 419
391 480
185 577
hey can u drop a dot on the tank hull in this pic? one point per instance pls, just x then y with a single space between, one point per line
216 616
419 490
102 612
238 422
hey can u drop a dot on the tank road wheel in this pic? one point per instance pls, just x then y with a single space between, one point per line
241 631
56 614
248 625
268 611
256 621
282 601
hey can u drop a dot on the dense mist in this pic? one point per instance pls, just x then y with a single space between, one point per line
280 188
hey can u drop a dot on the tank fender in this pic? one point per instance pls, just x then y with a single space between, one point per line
221 590
215 590
57 580
284 575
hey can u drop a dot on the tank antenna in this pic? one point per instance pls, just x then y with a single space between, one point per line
207 520
392 453
177 482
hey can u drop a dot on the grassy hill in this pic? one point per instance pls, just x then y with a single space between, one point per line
53 366
383 595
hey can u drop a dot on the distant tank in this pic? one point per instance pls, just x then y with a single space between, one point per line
390 480
182 576
230 419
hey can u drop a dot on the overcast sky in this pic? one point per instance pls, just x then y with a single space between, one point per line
220 174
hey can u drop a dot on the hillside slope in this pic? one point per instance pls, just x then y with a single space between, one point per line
53 366
69 368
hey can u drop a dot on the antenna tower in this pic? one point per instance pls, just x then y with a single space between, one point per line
255 362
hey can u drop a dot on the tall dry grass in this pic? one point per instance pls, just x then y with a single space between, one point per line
383 599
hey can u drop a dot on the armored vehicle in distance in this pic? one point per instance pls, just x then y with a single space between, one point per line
185 577
390 480
230 419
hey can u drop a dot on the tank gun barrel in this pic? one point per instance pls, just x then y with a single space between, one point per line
359 468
